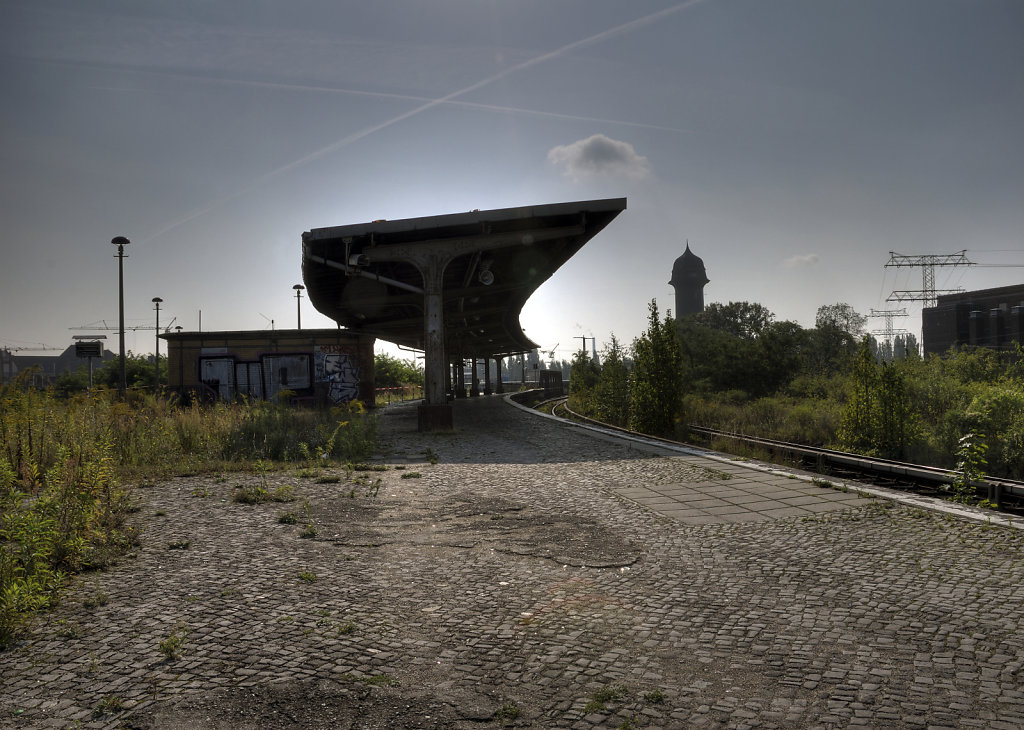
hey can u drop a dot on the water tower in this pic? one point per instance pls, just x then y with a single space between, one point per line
688 279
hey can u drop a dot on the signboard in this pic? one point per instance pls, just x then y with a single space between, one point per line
89 349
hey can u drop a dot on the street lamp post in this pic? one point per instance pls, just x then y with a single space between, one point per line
298 302
156 358
121 242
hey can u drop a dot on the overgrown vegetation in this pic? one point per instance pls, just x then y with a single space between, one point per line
740 370
67 465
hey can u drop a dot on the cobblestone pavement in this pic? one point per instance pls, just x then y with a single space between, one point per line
517 582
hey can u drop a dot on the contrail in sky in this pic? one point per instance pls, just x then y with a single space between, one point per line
430 104
402 97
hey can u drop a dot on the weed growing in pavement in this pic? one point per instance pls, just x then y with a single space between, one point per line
346 628
600 698
380 680
98 598
160 513
202 492
655 697
507 713
431 456
309 531
108 706
173 646
308 576
68 629
822 483
179 545
287 518
328 479
369 467
970 467
411 475
260 495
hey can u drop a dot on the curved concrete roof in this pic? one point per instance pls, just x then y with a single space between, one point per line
368 277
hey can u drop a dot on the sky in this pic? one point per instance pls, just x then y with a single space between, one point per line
792 143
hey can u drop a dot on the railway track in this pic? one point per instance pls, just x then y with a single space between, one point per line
1006 494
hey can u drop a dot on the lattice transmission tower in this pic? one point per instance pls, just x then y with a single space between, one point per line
887 316
927 293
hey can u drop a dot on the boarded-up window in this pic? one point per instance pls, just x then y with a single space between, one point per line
219 374
285 372
249 379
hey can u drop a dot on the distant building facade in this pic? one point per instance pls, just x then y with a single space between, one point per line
689 279
991 318
46 368
328 366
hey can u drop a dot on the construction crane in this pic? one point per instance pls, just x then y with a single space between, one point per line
41 348
102 325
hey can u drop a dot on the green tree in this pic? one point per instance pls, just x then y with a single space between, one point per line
859 422
138 371
879 417
842 317
897 418
391 372
584 375
832 344
611 393
656 383
746 320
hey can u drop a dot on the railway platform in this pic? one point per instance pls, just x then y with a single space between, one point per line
523 573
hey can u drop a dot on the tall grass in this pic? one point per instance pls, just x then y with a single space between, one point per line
67 466
806 421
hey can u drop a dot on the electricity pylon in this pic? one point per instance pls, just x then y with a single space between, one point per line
927 293
887 315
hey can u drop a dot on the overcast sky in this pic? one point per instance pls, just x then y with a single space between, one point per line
794 143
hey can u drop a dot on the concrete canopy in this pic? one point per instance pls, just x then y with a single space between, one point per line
374 277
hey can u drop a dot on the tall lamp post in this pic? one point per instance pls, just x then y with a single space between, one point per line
298 302
156 359
121 242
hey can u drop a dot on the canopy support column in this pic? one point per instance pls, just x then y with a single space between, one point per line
435 414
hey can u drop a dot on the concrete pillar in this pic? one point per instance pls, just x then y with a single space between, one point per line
435 414
499 387
487 376
460 378
474 379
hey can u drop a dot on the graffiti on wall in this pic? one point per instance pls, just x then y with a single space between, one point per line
336 367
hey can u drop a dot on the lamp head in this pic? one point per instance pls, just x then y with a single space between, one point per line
120 241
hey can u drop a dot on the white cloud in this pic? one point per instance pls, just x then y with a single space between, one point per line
599 155
793 262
